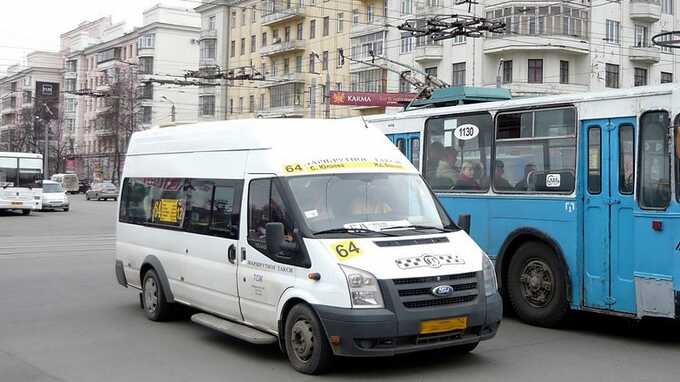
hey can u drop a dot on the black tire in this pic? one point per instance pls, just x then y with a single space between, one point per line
87 197
156 307
306 343
66 209
464 349
26 212
537 286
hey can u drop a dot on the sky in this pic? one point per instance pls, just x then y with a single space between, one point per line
28 25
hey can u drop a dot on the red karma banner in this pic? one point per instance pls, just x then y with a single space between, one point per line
370 99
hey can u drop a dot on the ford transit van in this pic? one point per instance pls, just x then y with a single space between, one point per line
316 235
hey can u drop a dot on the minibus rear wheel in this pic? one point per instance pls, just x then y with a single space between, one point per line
306 344
156 307
537 288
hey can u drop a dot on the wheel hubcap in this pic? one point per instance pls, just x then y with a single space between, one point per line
537 283
302 340
150 295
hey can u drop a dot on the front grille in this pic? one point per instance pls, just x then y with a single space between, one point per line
416 293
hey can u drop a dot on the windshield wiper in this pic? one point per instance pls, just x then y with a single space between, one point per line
351 230
416 227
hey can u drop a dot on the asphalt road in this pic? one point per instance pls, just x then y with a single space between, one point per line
63 317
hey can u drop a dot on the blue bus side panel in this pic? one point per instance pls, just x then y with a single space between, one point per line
495 219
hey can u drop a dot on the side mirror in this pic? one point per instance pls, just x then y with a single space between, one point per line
274 233
464 221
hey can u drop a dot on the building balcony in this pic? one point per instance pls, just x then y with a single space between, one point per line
292 111
647 11
103 88
429 53
145 52
426 8
364 29
104 132
70 75
282 47
645 54
208 34
207 62
281 15
536 43
283 79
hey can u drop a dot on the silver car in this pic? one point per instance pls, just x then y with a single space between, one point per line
104 190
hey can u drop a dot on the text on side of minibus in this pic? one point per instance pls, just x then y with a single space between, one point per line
341 163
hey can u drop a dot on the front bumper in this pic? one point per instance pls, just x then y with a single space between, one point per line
382 332
55 204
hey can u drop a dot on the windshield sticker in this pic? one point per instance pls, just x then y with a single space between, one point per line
377 225
168 211
311 214
331 164
345 249
432 261
553 180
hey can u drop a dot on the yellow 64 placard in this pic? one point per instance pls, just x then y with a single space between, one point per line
345 249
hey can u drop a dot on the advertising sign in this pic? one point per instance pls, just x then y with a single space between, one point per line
370 99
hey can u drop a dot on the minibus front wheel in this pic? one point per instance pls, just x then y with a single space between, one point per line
306 344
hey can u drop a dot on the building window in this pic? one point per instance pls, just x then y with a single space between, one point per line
70 84
233 48
208 49
406 42
507 71
233 19
263 69
460 39
273 68
146 114
364 45
323 94
299 32
535 71
339 58
613 31
243 46
340 21
70 105
667 7
311 63
564 72
312 29
406 7
253 42
641 36
666 77
458 78
262 105
612 76
368 81
251 104
431 71
298 64
640 77
286 95
286 34
404 86
71 65
145 42
355 16
243 17
147 91
370 14
231 106
211 23
206 104
253 15
326 26
240 104
146 65
264 39
286 66
324 60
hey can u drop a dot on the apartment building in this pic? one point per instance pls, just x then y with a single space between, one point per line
292 46
26 92
121 88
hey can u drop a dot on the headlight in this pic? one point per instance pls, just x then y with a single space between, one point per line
364 290
490 282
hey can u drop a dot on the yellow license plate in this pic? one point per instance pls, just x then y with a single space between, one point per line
17 203
445 325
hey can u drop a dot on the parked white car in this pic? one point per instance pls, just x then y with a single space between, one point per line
54 196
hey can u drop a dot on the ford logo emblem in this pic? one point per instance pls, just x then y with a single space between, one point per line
442 291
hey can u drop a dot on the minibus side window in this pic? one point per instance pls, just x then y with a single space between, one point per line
265 205
225 212
199 202
655 173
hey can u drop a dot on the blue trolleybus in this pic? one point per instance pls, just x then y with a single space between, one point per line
576 197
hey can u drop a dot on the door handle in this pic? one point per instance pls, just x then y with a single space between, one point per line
243 254
231 254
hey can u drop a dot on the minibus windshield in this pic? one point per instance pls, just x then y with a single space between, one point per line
367 202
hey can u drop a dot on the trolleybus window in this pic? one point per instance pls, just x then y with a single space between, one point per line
626 159
655 173
538 151
30 171
415 152
458 152
8 172
594 160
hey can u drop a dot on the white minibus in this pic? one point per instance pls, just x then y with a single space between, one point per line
317 235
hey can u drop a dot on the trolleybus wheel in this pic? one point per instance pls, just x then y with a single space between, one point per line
537 288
